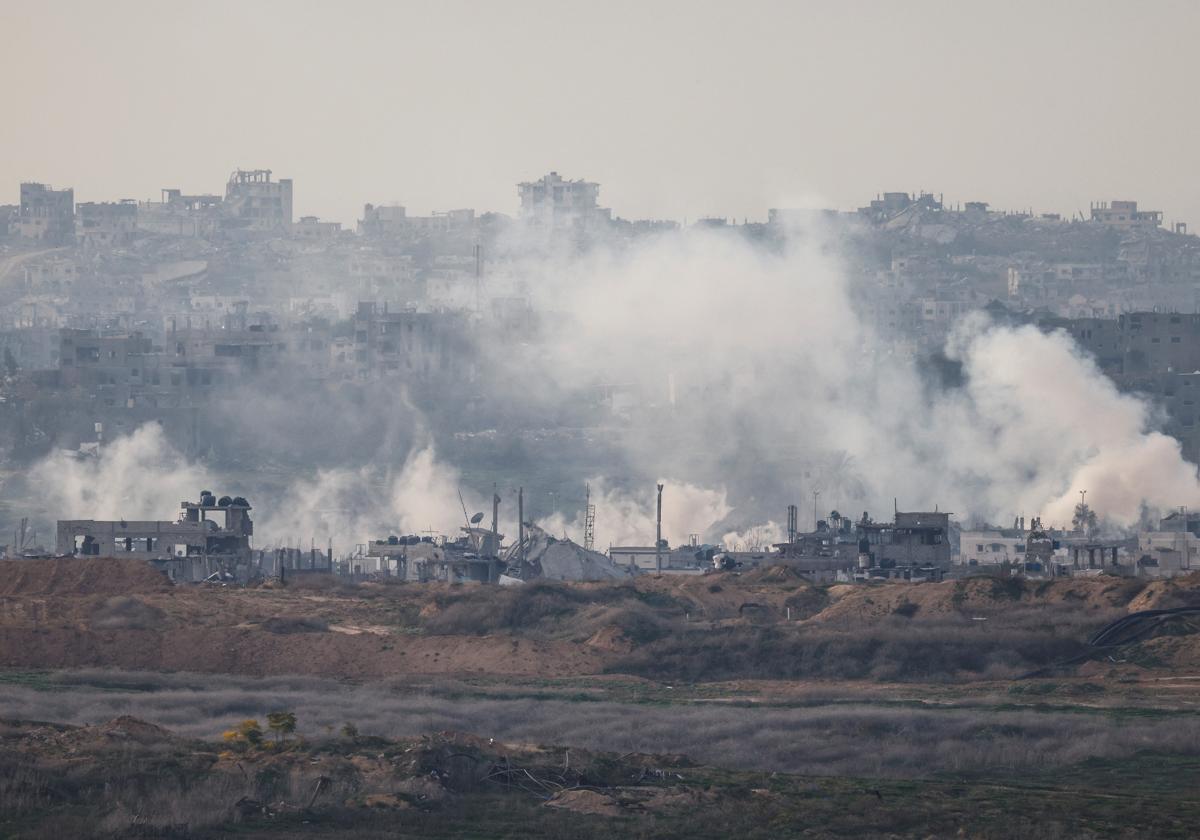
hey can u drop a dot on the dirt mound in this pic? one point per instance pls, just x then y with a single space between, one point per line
759 595
773 574
103 736
1165 594
976 595
127 726
80 576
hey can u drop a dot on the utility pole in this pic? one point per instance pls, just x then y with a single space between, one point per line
1184 551
493 562
1187 544
521 523
658 535
816 495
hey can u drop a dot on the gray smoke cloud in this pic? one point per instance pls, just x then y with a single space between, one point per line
734 367
754 378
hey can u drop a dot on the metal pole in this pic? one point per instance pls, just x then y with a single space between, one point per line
521 523
493 562
658 535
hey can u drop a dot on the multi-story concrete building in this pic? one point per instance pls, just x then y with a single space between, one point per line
1124 215
181 215
1167 553
313 229
408 344
254 202
210 538
107 223
393 221
890 204
189 366
556 204
992 547
389 220
913 540
46 215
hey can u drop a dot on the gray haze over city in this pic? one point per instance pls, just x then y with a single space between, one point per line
368 266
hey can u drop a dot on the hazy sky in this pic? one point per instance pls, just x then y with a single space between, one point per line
676 108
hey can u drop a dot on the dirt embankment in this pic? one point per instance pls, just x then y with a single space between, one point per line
80 576
102 612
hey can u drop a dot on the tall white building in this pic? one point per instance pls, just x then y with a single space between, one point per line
555 203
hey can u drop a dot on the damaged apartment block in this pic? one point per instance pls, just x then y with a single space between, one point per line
209 541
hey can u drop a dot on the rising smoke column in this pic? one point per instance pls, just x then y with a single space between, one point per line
752 370
140 476
755 385
137 476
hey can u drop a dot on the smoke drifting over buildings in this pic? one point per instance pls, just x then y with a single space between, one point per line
357 383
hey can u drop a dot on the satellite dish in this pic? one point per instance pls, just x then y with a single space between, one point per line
477 518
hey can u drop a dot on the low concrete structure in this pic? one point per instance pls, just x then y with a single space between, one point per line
210 539
471 558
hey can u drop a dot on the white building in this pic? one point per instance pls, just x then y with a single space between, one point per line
554 203
990 548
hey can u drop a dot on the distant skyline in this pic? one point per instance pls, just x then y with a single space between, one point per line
678 109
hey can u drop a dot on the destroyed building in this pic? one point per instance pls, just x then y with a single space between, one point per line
181 215
313 229
683 559
474 557
131 370
1125 215
209 540
45 215
546 557
392 221
478 556
257 203
416 345
106 224
915 546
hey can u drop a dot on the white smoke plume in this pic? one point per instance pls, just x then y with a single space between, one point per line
628 518
751 374
754 538
142 477
748 379
137 477
352 506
